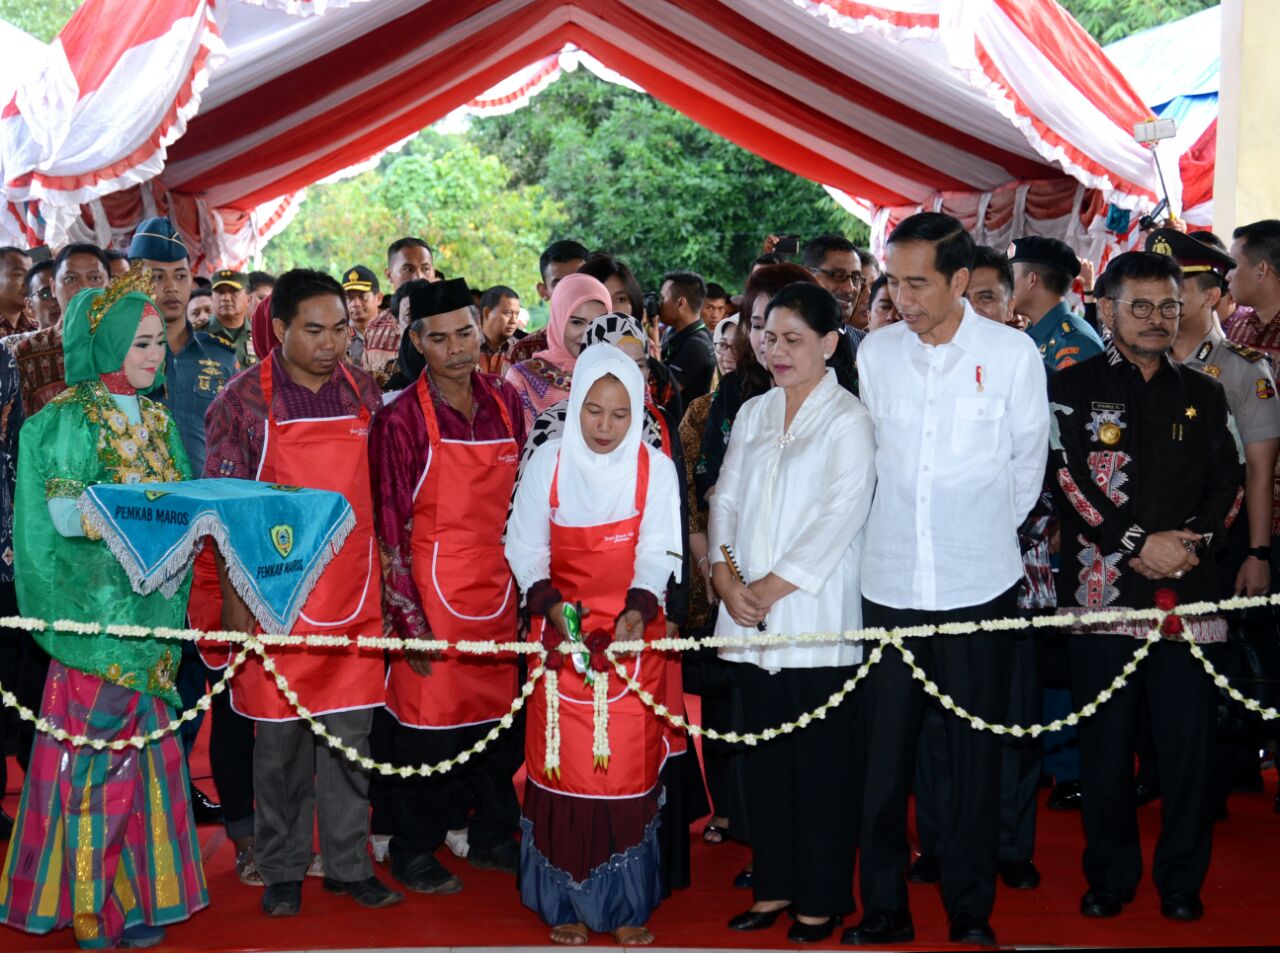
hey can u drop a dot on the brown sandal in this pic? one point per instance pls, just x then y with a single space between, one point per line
633 936
569 934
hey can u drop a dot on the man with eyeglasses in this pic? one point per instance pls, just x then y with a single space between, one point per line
1146 468
833 261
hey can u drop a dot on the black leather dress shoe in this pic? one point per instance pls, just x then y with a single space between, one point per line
881 929
1182 906
1019 874
812 932
971 929
756 920
203 809
744 878
927 869
1144 794
1104 903
1065 796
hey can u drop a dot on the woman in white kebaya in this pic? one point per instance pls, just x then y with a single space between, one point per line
791 501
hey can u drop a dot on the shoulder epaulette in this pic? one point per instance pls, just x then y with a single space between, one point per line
1251 355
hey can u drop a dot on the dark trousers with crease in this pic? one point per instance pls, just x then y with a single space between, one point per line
802 789
975 671
1182 704
422 809
1020 765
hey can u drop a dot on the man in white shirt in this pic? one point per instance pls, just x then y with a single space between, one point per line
962 427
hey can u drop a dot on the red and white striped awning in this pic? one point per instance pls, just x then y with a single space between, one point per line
222 107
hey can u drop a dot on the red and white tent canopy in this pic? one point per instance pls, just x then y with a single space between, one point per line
215 111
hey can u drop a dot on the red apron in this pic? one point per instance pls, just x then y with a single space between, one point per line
594 565
328 453
461 571
677 738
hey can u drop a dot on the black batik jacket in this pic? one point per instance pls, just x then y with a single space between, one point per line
1131 457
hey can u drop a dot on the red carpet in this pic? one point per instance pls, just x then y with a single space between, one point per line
1239 898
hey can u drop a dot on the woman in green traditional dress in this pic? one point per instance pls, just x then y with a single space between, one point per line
104 841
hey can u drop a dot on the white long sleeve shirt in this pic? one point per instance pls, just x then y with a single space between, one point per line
794 502
962 433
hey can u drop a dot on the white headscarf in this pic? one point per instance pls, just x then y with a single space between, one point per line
595 487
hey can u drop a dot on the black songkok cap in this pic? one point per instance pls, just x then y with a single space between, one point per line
439 297
1035 250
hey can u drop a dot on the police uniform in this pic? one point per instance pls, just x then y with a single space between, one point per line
1246 376
362 279
239 341
1064 338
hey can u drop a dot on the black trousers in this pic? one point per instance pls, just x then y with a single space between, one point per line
1020 764
231 740
1181 702
382 748
421 808
975 671
802 789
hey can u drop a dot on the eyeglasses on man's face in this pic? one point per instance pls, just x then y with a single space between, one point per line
1143 309
839 276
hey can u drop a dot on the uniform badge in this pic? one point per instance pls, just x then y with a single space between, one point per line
282 540
1213 370
1191 413
1204 351
1106 427
1066 327
1265 389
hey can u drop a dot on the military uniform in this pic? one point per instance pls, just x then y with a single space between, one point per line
1064 338
239 341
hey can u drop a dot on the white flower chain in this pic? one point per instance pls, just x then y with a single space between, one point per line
750 738
382 767
1081 619
1018 731
551 766
600 720
45 726
600 746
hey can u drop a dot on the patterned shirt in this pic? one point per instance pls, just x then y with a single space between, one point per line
40 369
399 448
1131 457
235 424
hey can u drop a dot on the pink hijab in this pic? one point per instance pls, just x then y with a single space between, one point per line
263 335
571 293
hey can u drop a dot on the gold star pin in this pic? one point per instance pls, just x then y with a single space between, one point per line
1191 413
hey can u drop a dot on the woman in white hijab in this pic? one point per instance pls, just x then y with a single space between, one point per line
596 522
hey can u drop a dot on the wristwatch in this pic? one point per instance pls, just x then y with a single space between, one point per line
1261 552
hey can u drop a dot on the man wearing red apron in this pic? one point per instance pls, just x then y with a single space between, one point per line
444 456
302 418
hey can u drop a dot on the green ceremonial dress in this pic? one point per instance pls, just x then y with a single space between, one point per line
81 438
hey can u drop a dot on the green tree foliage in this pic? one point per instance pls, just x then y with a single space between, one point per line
43 19
651 186
440 188
1111 20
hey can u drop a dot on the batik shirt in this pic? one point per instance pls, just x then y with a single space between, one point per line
1131 457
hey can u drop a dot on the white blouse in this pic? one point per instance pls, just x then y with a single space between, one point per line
659 548
795 504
